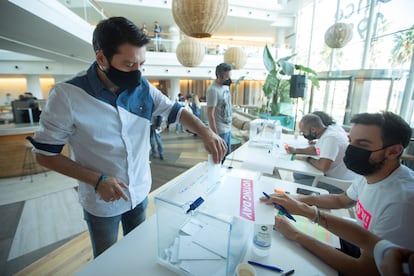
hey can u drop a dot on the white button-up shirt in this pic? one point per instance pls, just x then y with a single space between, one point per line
106 133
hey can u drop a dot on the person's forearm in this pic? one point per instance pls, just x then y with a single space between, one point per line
330 201
321 164
349 231
68 167
308 150
193 124
336 259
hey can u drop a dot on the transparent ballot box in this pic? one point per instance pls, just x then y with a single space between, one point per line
264 133
193 239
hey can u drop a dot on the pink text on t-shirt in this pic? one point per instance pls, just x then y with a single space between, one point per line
363 214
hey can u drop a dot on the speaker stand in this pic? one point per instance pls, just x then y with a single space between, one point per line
296 114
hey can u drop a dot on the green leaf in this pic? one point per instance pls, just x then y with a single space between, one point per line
305 69
268 60
287 67
287 58
270 83
314 80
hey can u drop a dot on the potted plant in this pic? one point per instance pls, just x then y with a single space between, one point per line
276 87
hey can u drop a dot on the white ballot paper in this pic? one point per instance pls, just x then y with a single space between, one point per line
213 177
189 250
240 197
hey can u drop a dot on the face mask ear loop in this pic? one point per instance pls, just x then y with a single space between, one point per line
103 69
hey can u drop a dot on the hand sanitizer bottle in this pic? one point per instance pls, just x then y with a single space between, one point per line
262 239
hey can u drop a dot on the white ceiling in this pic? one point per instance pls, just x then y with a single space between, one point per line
23 32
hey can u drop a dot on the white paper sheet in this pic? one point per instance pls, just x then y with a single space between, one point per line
263 166
192 227
213 238
228 196
188 250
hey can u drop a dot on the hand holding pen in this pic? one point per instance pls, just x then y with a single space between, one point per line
280 208
289 149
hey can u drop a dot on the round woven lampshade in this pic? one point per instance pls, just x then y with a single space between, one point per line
235 56
199 18
190 52
338 35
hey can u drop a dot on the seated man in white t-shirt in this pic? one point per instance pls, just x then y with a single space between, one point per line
383 194
390 259
329 149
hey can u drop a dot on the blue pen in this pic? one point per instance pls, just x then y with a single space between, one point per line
271 267
195 204
281 208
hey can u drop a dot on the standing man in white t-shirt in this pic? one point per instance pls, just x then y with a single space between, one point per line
219 110
329 149
383 193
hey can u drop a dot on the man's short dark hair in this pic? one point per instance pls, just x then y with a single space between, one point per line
222 68
110 33
394 130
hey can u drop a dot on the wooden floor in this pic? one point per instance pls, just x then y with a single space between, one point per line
181 152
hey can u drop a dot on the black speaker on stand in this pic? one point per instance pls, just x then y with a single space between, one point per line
297 90
297 86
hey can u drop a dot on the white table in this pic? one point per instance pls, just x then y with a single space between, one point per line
136 253
266 160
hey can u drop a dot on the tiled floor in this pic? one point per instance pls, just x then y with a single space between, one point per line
38 217
45 220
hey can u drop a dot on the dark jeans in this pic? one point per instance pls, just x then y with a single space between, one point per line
155 138
104 230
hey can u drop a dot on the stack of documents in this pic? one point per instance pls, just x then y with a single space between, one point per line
200 247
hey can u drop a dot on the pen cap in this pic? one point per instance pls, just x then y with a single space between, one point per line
278 191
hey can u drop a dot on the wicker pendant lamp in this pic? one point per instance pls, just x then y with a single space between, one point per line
338 35
199 18
190 52
235 56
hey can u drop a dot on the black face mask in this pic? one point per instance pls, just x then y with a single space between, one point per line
357 160
310 136
124 80
227 82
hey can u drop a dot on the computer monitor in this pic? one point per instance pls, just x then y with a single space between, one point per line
25 111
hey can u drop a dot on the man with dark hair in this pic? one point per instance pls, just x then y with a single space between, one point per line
219 110
104 114
382 193
329 149
377 255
